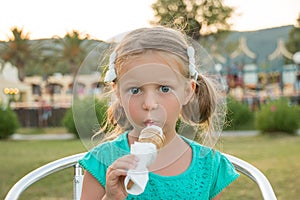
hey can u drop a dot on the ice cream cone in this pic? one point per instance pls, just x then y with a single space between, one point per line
151 134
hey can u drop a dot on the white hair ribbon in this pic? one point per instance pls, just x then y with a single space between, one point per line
111 73
191 54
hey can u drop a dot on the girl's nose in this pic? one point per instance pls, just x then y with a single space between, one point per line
150 102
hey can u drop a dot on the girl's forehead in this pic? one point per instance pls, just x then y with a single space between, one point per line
151 65
150 57
150 73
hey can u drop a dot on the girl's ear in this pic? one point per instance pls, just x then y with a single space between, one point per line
189 90
116 91
114 86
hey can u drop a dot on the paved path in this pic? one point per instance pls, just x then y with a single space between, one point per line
61 136
240 133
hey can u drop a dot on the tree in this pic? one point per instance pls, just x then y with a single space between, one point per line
196 18
19 51
73 48
293 43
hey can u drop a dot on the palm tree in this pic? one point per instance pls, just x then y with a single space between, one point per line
19 51
73 48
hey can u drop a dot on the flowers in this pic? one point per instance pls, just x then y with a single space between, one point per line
273 108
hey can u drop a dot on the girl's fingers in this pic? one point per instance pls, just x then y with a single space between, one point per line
120 167
116 173
124 163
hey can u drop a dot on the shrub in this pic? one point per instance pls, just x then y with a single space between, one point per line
239 116
278 116
68 122
89 114
9 122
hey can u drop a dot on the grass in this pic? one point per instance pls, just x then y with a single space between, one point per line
277 157
20 157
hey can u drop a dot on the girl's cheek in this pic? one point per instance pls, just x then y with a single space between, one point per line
132 106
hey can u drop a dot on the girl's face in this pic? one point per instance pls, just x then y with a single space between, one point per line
152 92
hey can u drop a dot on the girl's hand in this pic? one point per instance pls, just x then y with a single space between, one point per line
116 174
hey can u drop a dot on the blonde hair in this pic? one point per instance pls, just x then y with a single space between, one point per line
172 44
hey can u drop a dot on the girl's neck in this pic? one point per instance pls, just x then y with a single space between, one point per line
173 159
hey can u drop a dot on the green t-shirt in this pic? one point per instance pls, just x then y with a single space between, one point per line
208 174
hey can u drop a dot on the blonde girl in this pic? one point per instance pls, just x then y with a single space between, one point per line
154 76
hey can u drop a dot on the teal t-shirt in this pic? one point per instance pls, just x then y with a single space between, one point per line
208 174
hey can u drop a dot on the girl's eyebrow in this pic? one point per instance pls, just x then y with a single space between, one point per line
131 82
159 82
170 81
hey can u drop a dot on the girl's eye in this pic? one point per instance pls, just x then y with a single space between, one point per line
165 89
134 90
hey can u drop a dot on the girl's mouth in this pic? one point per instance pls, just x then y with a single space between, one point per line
149 122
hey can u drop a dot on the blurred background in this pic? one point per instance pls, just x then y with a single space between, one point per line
255 46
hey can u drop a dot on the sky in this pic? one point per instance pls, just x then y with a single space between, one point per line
104 19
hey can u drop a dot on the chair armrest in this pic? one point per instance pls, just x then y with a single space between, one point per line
41 172
255 174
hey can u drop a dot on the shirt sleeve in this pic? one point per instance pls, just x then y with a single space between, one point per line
92 163
224 174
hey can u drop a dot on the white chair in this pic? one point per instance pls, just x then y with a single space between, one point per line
72 161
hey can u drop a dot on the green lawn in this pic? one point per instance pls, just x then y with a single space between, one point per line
278 157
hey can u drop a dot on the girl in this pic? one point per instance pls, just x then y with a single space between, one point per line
153 74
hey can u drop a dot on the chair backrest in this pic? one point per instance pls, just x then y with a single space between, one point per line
72 161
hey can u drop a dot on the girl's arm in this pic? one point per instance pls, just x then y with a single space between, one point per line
91 188
116 172
217 197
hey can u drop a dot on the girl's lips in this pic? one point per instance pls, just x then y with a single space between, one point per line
149 122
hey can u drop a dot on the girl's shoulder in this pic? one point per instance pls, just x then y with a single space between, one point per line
120 142
109 150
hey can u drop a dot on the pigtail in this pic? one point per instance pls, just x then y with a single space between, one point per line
116 122
202 105
118 117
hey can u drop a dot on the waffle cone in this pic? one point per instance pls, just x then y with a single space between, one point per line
152 135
